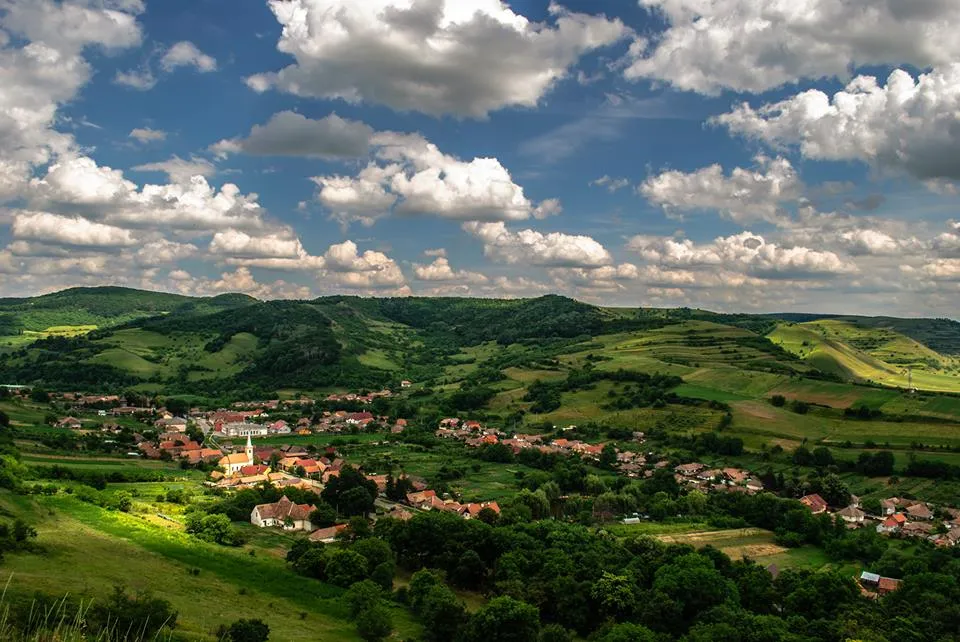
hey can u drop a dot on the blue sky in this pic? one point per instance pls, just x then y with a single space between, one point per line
726 154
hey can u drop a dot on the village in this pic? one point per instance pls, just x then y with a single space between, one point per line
288 465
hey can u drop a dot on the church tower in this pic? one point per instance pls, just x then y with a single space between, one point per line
249 450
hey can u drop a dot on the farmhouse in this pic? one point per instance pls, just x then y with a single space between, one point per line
815 503
689 470
69 422
851 515
292 517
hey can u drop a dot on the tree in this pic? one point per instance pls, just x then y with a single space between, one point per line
362 596
834 491
178 407
822 457
442 613
504 619
345 568
359 527
374 550
248 631
615 596
778 401
215 528
325 515
555 633
608 456
124 501
4 419
356 501
628 633
694 583
375 623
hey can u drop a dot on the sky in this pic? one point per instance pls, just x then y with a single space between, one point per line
734 155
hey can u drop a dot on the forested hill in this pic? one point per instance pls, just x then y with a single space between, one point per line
101 306
110 338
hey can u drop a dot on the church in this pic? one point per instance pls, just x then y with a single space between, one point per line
232 464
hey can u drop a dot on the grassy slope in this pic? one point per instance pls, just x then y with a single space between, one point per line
831 346
89 550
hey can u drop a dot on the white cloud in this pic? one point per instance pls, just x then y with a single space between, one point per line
744 195
534 248
745 252
412 176
910 125
263 246
290 134
70 26
435 252
148 135
186 54
943 270
752 46
73 231
440 270
164 252
139 79
240 280
179 170
461 57
609 278
612 184
345 266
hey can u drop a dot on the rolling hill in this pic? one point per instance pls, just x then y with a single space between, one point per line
157 342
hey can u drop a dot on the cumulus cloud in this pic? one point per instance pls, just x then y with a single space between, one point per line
238 244
460 57
440 270
186 54
346 266
942 270
750 46
290 134
555 249
410 175
908 124
70 231
148 135
745 252
743 195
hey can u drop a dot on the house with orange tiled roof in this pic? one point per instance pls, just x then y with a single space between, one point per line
815 503
892 524
284 513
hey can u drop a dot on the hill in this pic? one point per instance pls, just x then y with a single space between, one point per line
168 343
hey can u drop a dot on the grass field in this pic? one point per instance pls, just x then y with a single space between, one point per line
868 354
88 550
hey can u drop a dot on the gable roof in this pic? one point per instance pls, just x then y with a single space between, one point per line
814 502
285 508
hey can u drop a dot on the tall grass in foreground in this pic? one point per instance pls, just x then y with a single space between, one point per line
64 620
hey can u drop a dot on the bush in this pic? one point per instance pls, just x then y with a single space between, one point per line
778 400
248 631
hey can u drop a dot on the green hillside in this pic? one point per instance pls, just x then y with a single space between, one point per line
116 338
860 352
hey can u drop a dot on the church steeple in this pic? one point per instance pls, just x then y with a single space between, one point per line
249 450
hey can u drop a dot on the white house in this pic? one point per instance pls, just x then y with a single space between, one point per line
245 430
284 513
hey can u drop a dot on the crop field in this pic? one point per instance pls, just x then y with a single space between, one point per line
103 549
